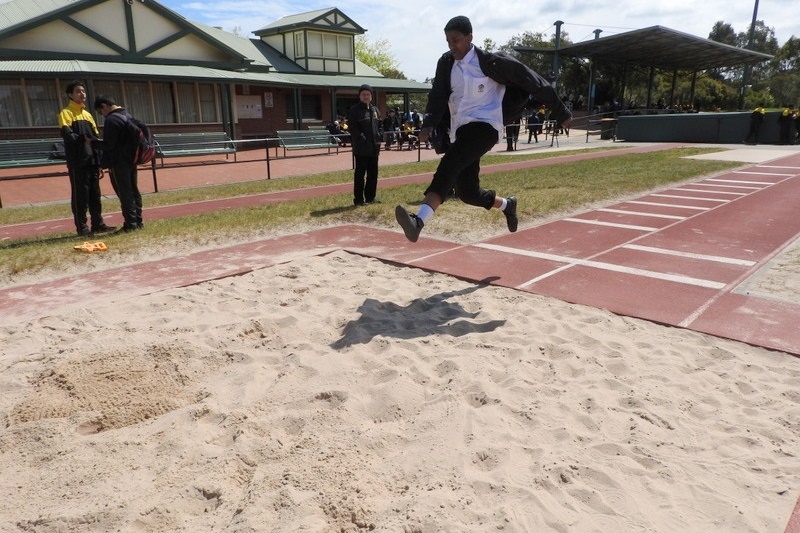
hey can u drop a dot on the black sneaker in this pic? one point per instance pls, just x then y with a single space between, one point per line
412 225
511 213
84 232
103 228
127 228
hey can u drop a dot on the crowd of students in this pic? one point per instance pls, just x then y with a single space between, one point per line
399 130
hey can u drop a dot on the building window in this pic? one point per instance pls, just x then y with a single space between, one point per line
208 102
42 102
187 103
163 103
112 89
139 100
36 103
345 45
12 104
329 45
311 107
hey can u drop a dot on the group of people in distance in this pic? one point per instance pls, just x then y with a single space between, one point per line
788 125
474 94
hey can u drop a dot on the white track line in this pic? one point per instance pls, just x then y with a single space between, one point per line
641 213
661 195
715 192
703 257
638 202
610 224
774 174
571 261
728 186
764 183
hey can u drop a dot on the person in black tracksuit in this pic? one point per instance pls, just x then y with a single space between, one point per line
365 136
118 150
78 129
484 90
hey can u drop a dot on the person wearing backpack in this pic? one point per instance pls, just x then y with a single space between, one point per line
119 148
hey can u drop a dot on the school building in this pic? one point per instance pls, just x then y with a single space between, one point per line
178 75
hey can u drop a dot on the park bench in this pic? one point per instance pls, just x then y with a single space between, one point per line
21 153
188 144
305 139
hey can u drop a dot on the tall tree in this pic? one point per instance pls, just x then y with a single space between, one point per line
378 55
722 32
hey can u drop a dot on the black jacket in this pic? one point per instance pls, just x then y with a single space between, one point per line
117 144
365 131
523 88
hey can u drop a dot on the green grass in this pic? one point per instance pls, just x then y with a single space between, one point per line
541 192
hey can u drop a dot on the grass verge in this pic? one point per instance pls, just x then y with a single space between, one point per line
542 192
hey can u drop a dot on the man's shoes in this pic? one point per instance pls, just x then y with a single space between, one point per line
84 232
103 228
127 228
412 225
511 213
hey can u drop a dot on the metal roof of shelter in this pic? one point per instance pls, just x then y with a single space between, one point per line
660 47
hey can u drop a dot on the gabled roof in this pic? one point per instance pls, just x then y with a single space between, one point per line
660 47
329 19
79 19
103 39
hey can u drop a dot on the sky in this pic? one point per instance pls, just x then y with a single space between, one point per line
414 28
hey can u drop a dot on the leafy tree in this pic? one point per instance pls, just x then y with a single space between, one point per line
540 62
787 58
722 32
378 55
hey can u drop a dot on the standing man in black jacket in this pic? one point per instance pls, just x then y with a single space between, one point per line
118 155
365 136
473 94
78 129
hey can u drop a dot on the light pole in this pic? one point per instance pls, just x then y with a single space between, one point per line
750 39
556 59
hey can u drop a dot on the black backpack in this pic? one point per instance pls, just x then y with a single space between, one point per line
142 143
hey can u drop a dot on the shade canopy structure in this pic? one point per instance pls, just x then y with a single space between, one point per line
657 47
660 47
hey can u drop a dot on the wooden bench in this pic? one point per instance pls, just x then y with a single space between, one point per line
21 153
187 144
305 139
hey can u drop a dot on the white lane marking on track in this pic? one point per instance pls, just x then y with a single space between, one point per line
610 224
639 202
715 192
779 166
641 213
764 183
747 187
661 195
775 174
571 261
704 257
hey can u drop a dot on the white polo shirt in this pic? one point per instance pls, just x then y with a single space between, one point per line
475 97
